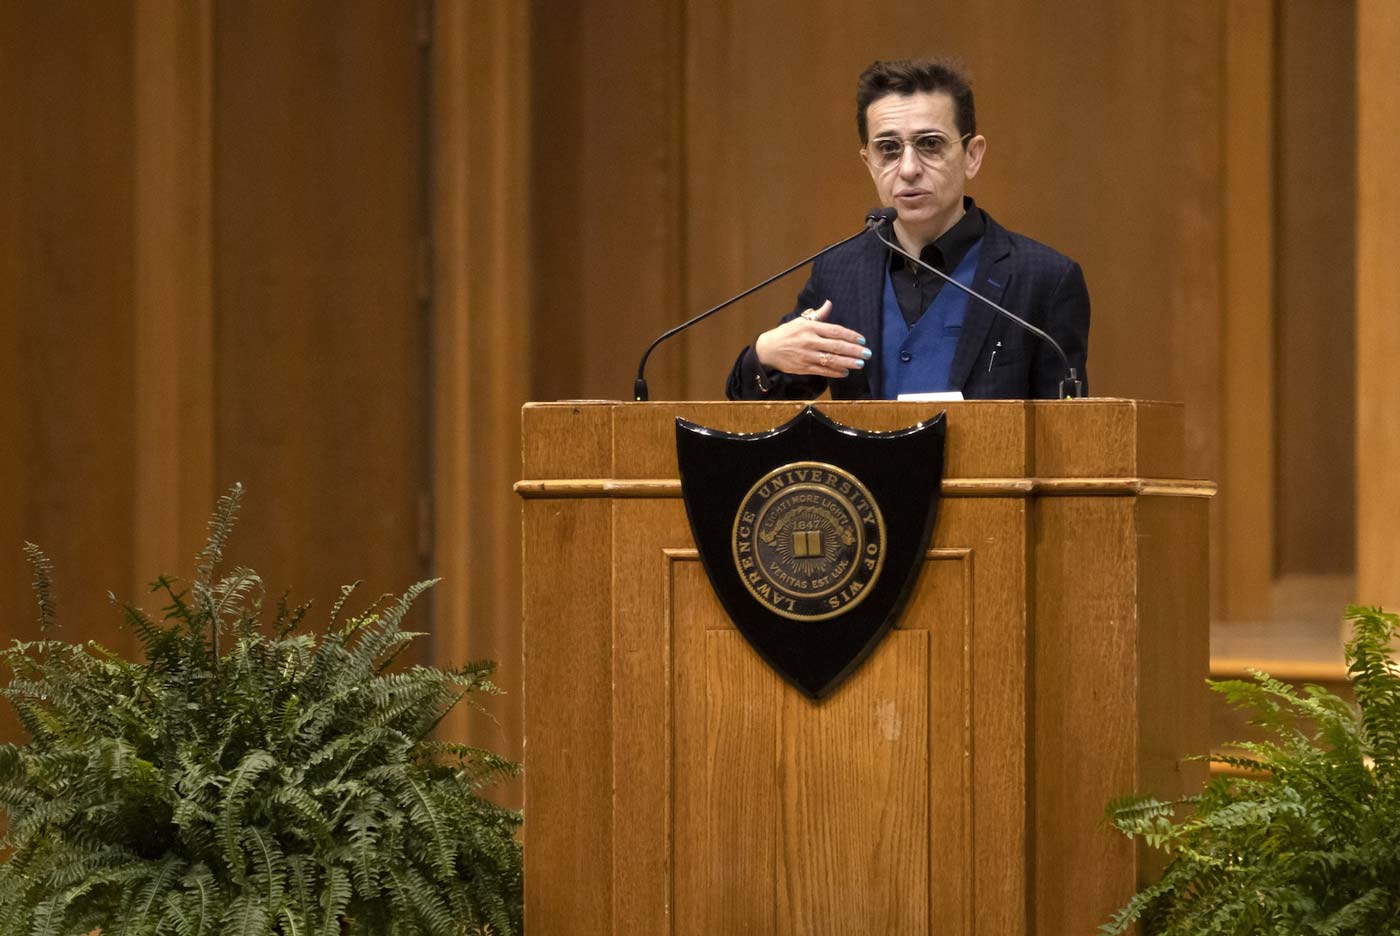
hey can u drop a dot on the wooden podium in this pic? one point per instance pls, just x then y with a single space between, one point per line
1052 656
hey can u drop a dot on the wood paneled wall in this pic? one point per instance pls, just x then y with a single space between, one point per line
1245 501
172 238
319 152
1316 293
481 284
606 182
68 455
212 217
1377 316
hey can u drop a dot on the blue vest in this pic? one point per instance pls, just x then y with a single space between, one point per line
919 359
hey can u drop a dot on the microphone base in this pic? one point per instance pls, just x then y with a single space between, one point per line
1071 388
639 390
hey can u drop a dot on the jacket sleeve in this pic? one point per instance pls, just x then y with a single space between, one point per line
1067 319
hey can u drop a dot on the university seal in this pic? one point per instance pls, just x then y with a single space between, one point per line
809 541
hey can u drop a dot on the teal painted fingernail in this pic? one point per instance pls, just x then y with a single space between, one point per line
845 373
860 338
866 353
859 364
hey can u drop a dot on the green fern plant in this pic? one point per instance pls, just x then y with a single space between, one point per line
247 777
1307 842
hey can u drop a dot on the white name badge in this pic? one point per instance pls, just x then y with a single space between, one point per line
946 396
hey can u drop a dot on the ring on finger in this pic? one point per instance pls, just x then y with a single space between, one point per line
826 358
810 315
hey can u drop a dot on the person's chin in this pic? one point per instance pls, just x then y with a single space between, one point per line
920 210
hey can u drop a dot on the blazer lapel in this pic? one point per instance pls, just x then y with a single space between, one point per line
992 278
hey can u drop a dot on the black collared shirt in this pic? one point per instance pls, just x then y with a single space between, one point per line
914 287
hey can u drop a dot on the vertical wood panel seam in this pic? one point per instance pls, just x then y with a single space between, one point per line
614 567
1377 337
671 557
427 305
668 602
452 616
969 755
680 170
1029 714
1247 550
1275 160
172 286
1222 377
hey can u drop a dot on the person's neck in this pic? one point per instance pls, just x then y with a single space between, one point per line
915 241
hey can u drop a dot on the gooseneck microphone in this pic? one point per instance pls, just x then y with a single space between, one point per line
1070 386
639 388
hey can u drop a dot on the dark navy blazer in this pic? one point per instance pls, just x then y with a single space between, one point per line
1022 275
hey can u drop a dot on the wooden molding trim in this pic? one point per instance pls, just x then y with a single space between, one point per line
956 487
1310 671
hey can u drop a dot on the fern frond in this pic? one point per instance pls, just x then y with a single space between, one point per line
345 592
427 817
252 766
203 898
236 591
269 868
291 923
48 916
11 763
427 903
175 919
335 897
363 826
302 885
288 618
247 916
306 816
220 526
1377 683
43 586
152 896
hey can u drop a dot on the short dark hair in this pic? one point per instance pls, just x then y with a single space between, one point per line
910 76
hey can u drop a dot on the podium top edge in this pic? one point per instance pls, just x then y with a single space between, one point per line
1096 438
1086 401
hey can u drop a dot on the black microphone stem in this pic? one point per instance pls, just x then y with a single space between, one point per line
639 388
1070 386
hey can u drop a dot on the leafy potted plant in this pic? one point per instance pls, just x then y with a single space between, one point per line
1307 841
247 777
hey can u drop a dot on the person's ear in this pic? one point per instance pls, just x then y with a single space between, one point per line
976 147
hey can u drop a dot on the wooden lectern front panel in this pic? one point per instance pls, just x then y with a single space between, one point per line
793 816
741 806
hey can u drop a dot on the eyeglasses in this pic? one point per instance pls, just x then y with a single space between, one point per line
931 148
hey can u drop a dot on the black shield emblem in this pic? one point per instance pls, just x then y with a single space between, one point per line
812 534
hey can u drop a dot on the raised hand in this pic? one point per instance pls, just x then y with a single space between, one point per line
810 345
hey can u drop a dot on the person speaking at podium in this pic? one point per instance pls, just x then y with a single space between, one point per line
874 323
